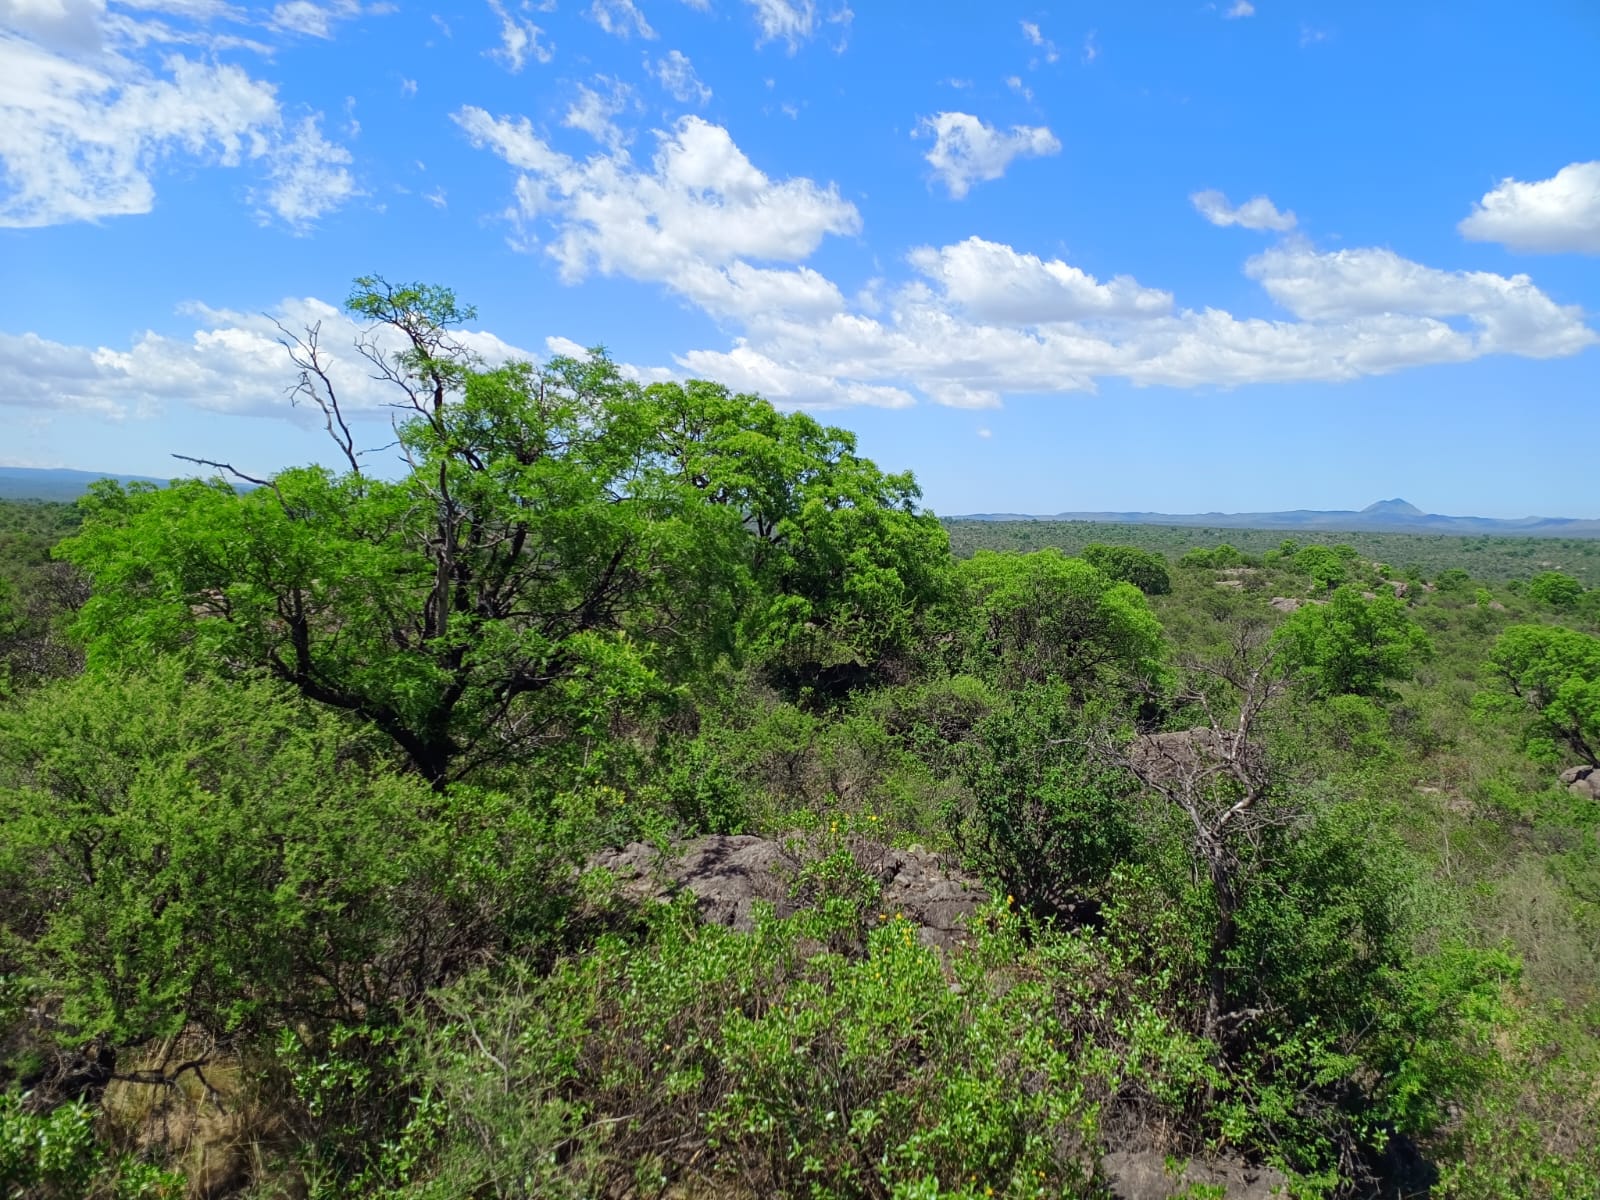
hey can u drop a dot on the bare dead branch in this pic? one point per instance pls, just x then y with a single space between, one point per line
316 385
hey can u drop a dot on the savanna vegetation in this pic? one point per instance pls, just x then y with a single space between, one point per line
302 783
1492 559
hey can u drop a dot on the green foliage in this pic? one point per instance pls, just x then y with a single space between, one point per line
319 808
1129 564
54 1155
1555 590
218 857
1490 558
1351 645
1043 617
566 545
1327 568
1043 821
1553 674
844 560
728 1057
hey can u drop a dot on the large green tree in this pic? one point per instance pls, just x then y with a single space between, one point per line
1553 674
564 541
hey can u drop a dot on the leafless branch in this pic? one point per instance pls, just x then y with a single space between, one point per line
316 386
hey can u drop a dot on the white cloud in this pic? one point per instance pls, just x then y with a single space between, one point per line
1549 216
1014 82
978 320
994 282
676 74
700 204
312 20
745 370
520 40
1240 8
592 113
1256 213
310 177
621 18
232 363
1509 314
966 151
83 138
1091 48
74 25
791 21
1035 37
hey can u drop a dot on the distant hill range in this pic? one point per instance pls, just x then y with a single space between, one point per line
1386 516
32 483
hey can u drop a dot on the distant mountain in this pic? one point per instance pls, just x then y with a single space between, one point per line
31 483
1385 516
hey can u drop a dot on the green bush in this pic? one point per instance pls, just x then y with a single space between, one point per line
54 1155
749 1060
1043 822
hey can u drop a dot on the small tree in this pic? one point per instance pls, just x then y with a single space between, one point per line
1129 564
1044 617
1351 646
1327 568
1555 590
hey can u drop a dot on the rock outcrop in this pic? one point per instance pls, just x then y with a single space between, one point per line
729 875
1145 1176
1583 781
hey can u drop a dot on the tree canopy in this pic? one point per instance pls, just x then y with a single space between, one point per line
1352 645
564 541
1044 617
1555 675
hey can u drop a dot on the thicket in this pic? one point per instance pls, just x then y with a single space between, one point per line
301 785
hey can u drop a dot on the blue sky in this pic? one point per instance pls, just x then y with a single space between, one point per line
1166 256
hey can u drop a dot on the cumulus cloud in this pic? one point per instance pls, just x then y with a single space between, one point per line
1258 212
233 363
977 320
676 75
966 151
1549 216
1238 9
84 137
699 207
993 282
520 40
74 25
1508 314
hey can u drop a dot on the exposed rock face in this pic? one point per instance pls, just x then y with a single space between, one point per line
1584 781
1144 1176
1288 604
729 875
